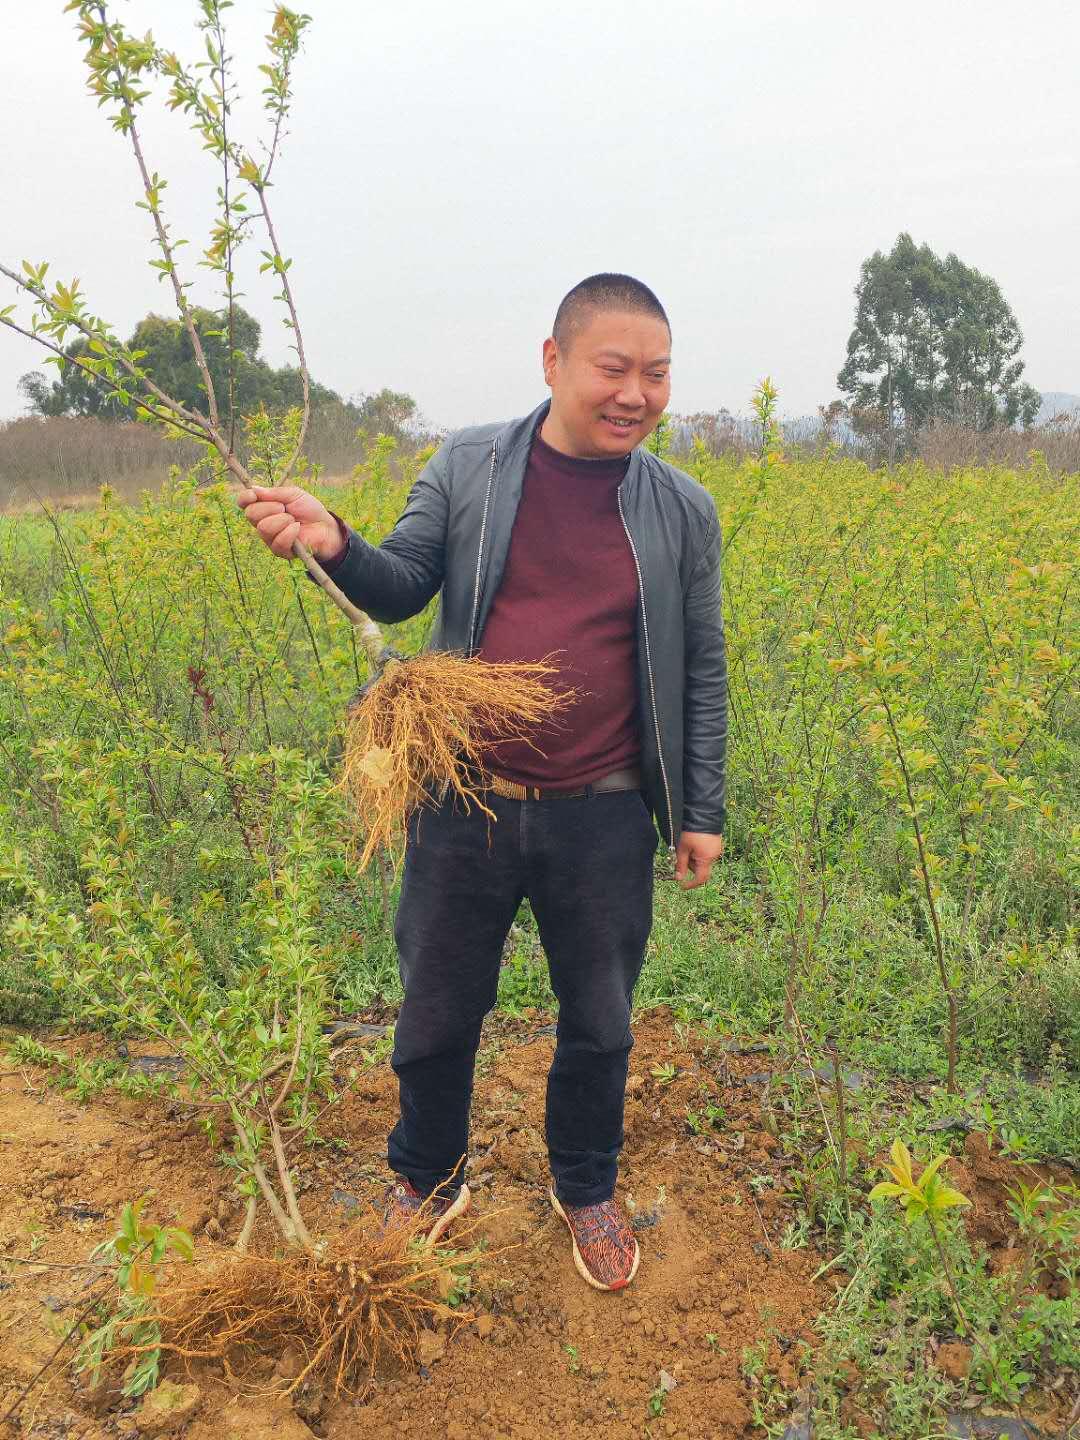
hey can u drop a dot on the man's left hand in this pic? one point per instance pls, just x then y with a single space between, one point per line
695 856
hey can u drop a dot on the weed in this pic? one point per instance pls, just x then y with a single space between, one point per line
136 1250
701 1121
767 1393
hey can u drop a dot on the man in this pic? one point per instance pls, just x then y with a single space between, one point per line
554 534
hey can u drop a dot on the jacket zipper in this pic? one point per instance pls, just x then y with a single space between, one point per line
649 669
480 550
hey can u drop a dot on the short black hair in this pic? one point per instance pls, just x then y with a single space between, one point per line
606 291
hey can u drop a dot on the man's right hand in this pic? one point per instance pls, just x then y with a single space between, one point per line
285 513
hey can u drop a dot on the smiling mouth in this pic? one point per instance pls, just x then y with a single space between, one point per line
621 422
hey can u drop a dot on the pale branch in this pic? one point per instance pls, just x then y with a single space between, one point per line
924 869
281 1219
244 1238
305 379
371 637
286 1084
280 104
227 211
284 1224
164 244
272 153
287 1188
284 1178
116 350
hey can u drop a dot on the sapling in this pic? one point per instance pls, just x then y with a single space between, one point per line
253 1050
449 702
894 731
255 1056
929 1198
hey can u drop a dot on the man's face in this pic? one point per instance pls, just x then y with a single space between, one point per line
609 385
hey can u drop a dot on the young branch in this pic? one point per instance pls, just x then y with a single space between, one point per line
294 321
151 191
143 403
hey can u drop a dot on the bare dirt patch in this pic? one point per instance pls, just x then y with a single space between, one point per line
545 1351
545 1354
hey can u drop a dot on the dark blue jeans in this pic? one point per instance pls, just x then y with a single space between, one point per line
586 867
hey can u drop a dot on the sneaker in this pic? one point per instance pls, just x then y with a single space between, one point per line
403 1203
605 1250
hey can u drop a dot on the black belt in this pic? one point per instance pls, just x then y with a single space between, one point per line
629 779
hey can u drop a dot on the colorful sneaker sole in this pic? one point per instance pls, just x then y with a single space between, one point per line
579 1260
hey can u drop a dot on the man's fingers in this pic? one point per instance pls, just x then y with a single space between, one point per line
282 543
279 531
284 494
702 870
697 852
260 509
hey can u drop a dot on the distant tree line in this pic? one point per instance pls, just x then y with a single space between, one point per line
253 383
934 341
934 344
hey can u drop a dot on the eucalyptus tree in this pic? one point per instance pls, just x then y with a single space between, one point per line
933 340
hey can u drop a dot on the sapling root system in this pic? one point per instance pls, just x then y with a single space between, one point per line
414 735
351 1313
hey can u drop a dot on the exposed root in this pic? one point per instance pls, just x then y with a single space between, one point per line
419 728
351 1313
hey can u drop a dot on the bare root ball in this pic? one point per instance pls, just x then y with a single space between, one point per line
419 729
352 1313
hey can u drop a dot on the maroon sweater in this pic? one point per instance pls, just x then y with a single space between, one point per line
569 591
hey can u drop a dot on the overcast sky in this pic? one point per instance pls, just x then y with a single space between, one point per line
454 169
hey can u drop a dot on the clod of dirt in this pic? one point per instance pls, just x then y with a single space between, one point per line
168 1408
251 1419
291 1364
432 1347
954 1360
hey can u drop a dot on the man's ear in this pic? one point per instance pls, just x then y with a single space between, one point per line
550 359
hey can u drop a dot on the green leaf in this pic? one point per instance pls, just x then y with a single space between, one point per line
885 1188
931 1170
129 1222
945 1196
181 1242
901 1166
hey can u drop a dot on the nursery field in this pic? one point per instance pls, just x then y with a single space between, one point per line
886 957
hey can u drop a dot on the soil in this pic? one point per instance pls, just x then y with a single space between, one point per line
546 1355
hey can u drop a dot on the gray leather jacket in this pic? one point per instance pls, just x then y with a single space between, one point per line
453 537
